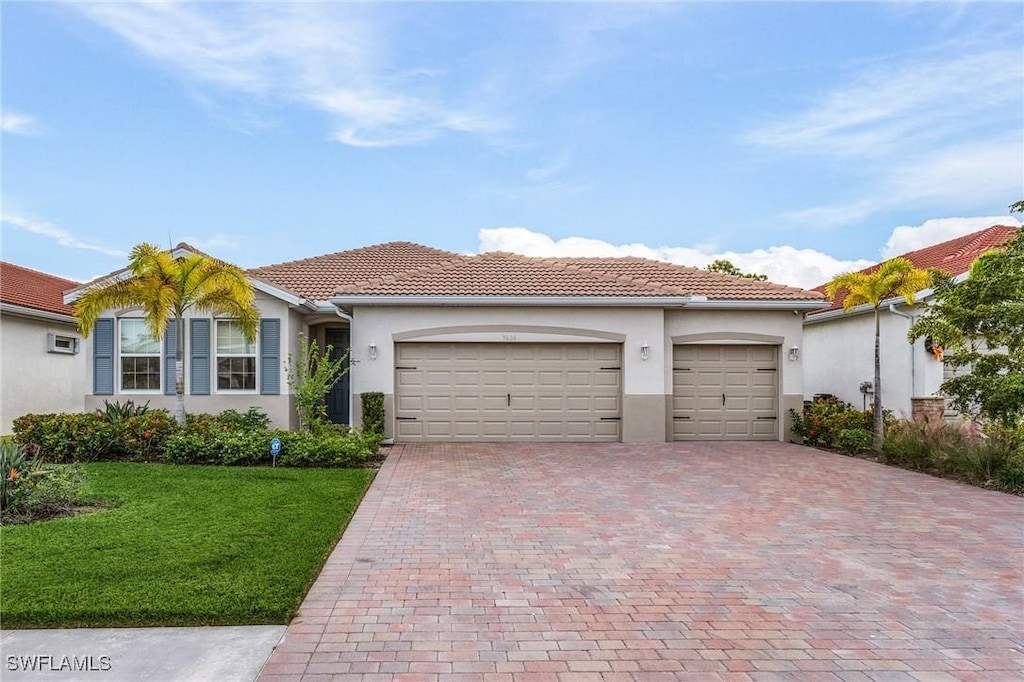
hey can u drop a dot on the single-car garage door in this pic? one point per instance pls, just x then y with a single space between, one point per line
508 391
724 392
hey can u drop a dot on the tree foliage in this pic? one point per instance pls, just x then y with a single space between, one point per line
726 267
980 322
311 376
165 288
895 278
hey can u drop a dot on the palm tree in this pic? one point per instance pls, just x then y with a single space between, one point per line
166 287
895 278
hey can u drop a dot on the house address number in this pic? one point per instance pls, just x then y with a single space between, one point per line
508 338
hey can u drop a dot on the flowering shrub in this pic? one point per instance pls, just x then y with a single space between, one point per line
95 436
822 421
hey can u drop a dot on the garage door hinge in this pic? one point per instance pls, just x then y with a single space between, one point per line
611 368
407 419
401 367
611 419
767 417
767 369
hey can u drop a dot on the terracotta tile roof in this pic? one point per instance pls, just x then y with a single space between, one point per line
507 274
320 277
33 289
954 256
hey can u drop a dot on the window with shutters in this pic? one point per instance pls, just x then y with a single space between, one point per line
236 358
140 356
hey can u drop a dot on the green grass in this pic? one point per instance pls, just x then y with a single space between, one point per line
184 545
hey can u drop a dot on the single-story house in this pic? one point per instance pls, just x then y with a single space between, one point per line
39 346
495 346
839 345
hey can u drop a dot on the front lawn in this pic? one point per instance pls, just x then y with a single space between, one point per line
184 545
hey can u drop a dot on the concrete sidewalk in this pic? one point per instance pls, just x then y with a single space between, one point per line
133 654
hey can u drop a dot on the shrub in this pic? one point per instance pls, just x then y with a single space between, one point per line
821 421
254 419
30 490
65 437
114 412
112 434
856 440
327 448
373 412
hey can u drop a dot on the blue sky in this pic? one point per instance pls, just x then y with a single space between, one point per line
796 139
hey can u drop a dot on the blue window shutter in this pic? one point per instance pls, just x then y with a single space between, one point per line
170 352
103 357
270 356
200 359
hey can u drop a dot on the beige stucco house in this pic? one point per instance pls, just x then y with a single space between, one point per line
42 367
492 347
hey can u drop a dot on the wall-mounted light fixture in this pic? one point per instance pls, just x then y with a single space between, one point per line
794 353
372 351
645 351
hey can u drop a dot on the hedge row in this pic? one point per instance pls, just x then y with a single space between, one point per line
144 435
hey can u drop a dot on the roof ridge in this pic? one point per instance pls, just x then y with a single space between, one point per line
333 254
974 235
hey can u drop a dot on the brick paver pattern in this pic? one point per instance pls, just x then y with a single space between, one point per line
704 561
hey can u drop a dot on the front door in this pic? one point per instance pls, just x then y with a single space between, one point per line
338 398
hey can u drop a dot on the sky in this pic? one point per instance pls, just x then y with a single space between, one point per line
797 140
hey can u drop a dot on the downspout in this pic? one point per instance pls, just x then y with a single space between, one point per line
351 398
910 320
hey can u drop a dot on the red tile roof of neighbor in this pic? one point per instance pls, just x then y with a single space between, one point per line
405 269
33 289
954 256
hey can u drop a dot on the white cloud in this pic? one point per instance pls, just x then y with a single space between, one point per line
326 56
906 238
782 264
886 106
940 129
62 237
18 124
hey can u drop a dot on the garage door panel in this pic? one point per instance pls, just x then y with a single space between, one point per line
481 391
744 374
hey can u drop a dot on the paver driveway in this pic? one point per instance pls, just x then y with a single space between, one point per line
695 561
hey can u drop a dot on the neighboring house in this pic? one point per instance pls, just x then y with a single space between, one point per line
39 346
839 345
493 347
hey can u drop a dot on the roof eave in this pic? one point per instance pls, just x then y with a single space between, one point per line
350 300
25 311
814 318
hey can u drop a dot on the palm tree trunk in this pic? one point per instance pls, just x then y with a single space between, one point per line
878 383
179 371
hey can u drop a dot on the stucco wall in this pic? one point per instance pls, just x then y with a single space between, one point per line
647 384
840 355
35 381
279 408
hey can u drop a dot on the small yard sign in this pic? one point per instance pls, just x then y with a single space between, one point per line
275 449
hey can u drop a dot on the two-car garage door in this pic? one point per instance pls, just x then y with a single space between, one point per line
508 391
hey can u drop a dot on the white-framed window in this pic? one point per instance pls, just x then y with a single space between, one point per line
236 358
139 356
